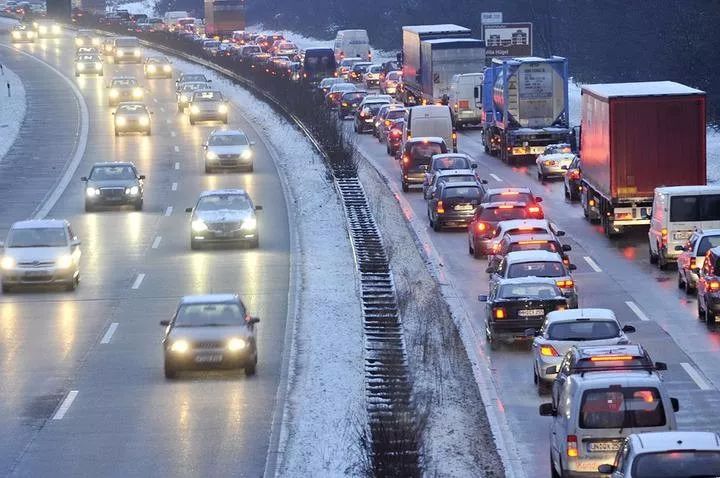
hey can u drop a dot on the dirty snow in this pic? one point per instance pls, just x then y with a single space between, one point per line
136 8
12 109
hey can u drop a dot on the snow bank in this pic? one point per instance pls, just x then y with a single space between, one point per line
12 109
136 8
713 155
325 407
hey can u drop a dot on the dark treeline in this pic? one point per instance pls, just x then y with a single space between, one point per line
604 40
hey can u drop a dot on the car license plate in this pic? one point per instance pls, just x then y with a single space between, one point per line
208 358
604 446
464 207
36 273
531 312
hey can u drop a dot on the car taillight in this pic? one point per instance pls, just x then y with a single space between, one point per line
481 227
591 203
693 263
714 286
406 158
499 313
548 351
387 122
565 284
440 209
574 174
549 162
533 209
572 448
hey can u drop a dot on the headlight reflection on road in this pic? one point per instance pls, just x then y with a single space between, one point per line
199 272
67 326
133 228
11 342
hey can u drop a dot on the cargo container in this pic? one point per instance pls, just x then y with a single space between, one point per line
441 60
635 137
223 17
525 106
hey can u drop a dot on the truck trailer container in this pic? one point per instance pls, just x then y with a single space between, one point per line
441 60
222 17
525 106
635 137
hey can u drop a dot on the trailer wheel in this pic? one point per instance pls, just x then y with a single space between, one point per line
653 257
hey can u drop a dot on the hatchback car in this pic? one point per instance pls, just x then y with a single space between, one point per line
88 65
112 184
127 49
325 85
571 180
483 232
692 257
157 67
47 29
384 120
185 93
553 165
332 99
453 204
391 82
22 34
447 161
228 149
528 242
225 216
708 287
85 37
373 75
209 331
190 78
357 73
563 329
364 120
346 65
349 102
447 176
132 117
208 105
415 157
124 89
40 252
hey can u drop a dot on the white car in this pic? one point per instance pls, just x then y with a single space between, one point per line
225 216
665 454
40 252
228 149
563 329
553 165
373 75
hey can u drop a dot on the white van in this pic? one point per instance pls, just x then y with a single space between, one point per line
466 98
171 18
430 120
352 44
677 212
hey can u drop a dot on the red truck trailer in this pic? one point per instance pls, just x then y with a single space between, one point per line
636 137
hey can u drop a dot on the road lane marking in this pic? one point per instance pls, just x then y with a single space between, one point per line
176 148
138 281
593 265
162 110
696 377
110 331
168 121
168 211
156 242
172 133
633 306
155 100
177 165
173 187
65 405
496 177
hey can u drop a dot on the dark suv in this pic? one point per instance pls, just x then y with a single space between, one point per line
365 116
349 102
708 287
415 158
453 204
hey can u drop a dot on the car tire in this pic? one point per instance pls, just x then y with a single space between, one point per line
192 122
492 341
72 285
250 168
662 262
147 133
170 371
77 75
680 283
5 288
553 473
709 317
541 177
194 245
405 187
652 257
117 133
477 253
255 243
138 205
437 225
251 368
180 109
225 120
208 169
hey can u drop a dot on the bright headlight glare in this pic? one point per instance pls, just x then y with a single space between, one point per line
43 29
249 224
120 120
132 190
144 121
96 41
194 109
167 68
90 192
223 109
180 346
198 225
64 261
151 68
136 52
137 93
114 93
246 154
16 34
211 155
235 344
81 66
79 41
98 65
56 28
183 98
7 262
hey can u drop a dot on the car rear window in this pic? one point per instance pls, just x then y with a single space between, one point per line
518 291
585 330
707 243
503 214
464 192
456 179
536 269
353 96
695 208
539 245
451 163
425 151
510 196
617 407
529 230
671 464
395 114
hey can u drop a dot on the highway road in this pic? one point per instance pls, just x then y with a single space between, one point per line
610 274
81 379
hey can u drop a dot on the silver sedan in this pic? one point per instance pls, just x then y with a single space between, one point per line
553 165
228 149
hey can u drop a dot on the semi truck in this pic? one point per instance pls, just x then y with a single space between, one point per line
223 17
525 106
635 137
432 55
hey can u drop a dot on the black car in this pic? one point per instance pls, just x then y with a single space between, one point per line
112 184
415 158
210 331
358 71
453 204
708 287
364 120
349 102
516 305
571 180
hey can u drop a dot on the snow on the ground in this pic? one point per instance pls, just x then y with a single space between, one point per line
136 8
713 155
12 109
325 407
574 102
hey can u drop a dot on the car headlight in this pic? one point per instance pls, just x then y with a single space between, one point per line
7 262
98 65
223 109
137 93
211 155
81 66
64 261
43 29
249 224
199 226
79 41
247 154
144 121
167 69
180 346
120 121
16 34
194 109
132 191
114 93
152 68
95 41
120 53
56 28
235 344
183 99
136 52
91 192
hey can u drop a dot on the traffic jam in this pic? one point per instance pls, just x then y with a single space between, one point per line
473 146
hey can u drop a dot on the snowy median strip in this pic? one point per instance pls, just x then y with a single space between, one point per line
12 109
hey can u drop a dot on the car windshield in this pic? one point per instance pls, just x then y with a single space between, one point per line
359 68
584 330
109 173
451 163
707 243
342 87
395 114
519 291
510 196
463 192
228 140
208 96
497 214
537 269
425 150
375 69
621 408
37 237
677 464
353 97
195 86
88 58
130 109
533 245
232 202
126 42
207 315
124 83
199 78
702 207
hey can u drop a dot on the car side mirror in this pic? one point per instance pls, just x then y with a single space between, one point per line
559 233
660 366
473 166
483 181
564 167
547 410
253 320
152 112
530 332
566 247
490 270
551 370
679 248
258 208
209 81
606 469
538 199
142 176
84 179
205 146
252 143
675 404
75 242
165 323
188 209
628 329
482 298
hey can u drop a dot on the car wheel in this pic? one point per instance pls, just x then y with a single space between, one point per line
139 205
250 168
170 371
436 225
565 191
653 257
661 262
89 207
208 169
250 368
180 109
709 317
540 177
72 285
192 121
553 473
77 75
689 289
405 187
194 245
700 312
117 133
477 253
5 288
147 133
225 120
680 283
255 243
470 248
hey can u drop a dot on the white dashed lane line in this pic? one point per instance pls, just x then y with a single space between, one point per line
173 187
65 405
696 377
633 306
110 331
593 265
173 134
168 211
156 242
496 177
162 110
177 165
155 100
138 281
176 148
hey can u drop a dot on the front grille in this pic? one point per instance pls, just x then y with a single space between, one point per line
112 192
229 156
36 264
215 344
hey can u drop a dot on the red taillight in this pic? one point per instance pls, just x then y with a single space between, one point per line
565 284
572 448
548 351
714 286
395 132
533 209
440 208
574 174
406 159
481 227
499 313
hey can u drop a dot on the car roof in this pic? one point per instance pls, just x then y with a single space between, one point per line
34 223
525 237
518 223
508 190
572 315
209 299
675 440
461 184
425 139
226 132
113 163
454 172
558 156
528 280
223 192
624 378
450 155
532 256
